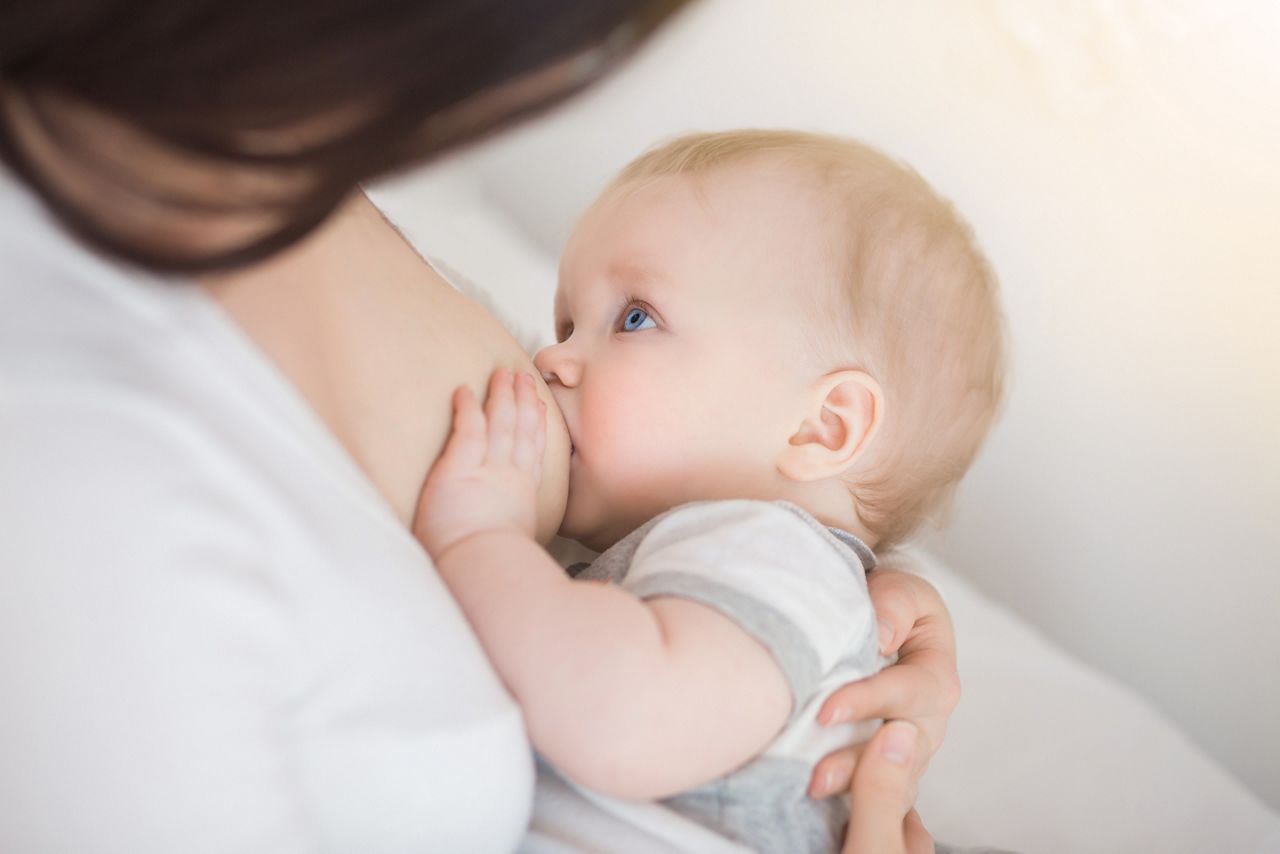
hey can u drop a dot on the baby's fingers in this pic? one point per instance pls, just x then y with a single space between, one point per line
528 418
500 412
540 441
466 445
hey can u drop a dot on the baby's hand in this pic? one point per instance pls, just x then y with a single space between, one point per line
487 476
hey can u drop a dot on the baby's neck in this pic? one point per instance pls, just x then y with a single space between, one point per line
829 502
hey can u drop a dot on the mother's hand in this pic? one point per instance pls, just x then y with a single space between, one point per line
923 687
881 820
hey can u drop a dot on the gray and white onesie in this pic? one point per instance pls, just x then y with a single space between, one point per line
800 589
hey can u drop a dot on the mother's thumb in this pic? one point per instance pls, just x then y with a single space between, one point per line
883 791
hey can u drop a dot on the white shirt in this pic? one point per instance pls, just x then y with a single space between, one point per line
214 634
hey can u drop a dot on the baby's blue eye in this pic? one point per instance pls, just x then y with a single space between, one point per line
635 318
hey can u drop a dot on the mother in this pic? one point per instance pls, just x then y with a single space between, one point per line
223 378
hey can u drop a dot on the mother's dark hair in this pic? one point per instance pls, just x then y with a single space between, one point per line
324 94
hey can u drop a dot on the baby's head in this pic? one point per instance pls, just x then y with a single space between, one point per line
772 315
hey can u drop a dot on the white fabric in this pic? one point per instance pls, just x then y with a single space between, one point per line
1045 754
471 242
214 635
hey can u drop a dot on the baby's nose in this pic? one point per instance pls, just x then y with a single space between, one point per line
557 365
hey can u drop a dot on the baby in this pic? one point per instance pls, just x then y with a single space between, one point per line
777 352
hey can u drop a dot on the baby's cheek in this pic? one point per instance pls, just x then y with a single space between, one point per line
629 415
607 432
644 436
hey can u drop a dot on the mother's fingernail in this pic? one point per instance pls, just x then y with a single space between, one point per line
899 744
885 632
837 715
835 780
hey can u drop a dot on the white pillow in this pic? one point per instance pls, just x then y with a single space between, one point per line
477 248
1045 754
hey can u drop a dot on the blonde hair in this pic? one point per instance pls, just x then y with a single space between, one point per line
915 305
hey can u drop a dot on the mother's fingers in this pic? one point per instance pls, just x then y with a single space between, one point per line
833 774
887 694
917 837
902 603
883 792
921 690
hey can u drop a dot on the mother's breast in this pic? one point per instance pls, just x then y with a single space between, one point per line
376 342
465 345
427 339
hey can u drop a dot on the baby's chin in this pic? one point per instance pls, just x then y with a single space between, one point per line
570 532
580 533
594 543
599 536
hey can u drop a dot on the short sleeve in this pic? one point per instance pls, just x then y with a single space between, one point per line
783 579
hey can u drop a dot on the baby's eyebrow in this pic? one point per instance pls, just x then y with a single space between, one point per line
636 272
627 273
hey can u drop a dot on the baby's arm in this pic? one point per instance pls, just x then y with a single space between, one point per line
638 699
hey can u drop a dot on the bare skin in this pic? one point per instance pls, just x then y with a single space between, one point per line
376 341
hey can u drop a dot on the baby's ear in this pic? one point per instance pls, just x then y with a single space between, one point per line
845 410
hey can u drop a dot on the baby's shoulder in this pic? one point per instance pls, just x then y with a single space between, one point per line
773 568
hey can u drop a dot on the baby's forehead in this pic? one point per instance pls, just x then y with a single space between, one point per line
762 222
720 189
759 203
628 270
